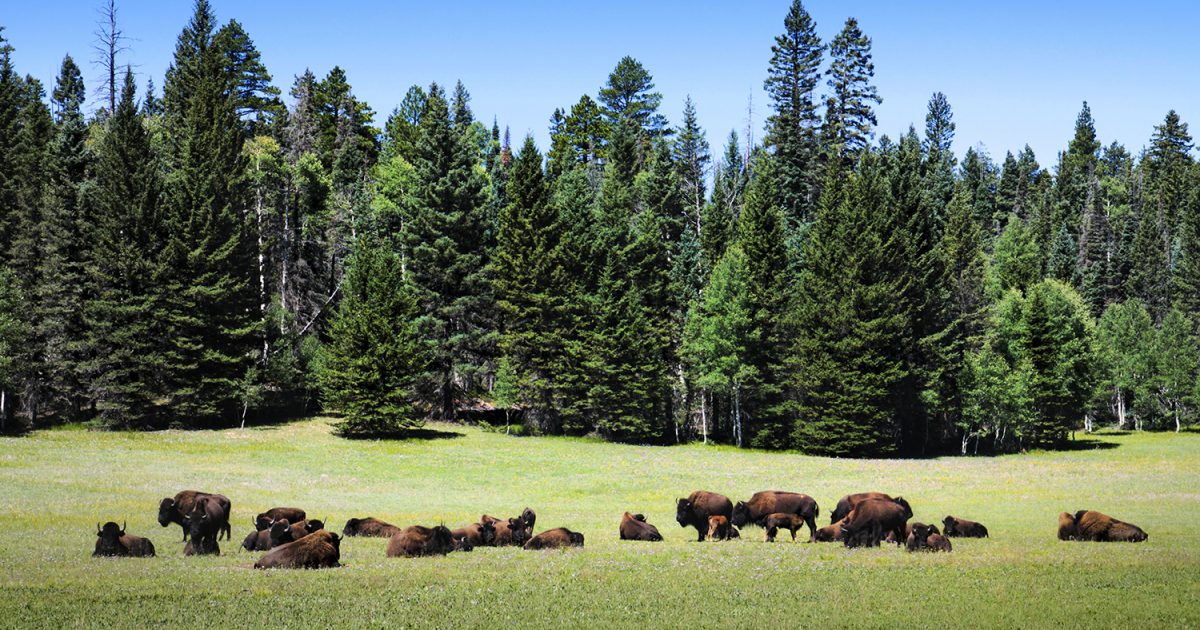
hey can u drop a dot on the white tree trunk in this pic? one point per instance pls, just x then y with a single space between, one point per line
704 416
262 272
737 415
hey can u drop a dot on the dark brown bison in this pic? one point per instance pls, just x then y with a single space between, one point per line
846 504
202 548
963 528
416 540
782 520
937 542
719 527
922 537
695 510
512 531
112 541
477 534
300 529
891 536
1066 526
319 550
280 533
830 533
870 521
207 519
555 538
635 527
763 504
264 520
1096 526
529 518
175 510
369 527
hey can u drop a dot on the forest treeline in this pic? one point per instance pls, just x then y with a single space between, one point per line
222 251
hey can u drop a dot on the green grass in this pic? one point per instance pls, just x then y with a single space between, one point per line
57 484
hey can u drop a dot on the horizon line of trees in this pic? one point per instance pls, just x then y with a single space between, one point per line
216 254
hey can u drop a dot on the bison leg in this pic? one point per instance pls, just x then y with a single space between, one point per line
812 528
771 535
794 534
701 532
185 531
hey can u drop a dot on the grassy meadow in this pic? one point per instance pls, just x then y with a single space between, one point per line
57 484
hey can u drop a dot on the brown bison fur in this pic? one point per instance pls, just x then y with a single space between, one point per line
478 534
264 520
763 504
300 529
112 541
1066 526
318 550
369 527
555 539
938 542
529 518
846 504
718 527
891 536
512 531
280 533
202 548
872 519
954 526
207 519
695 510
175 510
921 537
831 532
635 527
1096 526
780 520
416 540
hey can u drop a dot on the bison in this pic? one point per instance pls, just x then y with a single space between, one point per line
1095 526
635 527
112 541
695 510
416 540
782 520
176 510
280 533
529 518
555 539
830 533
891 536
719 527
763 504
963 528
846 504
319 550
512 531
205 523
293 515
871 519
922 537
300 529
478 534
369 527
937 542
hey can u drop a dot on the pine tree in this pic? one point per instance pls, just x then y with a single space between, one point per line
1058 343
403 129
447 261
258 103
1168 164
127 319
692 156
719 223
628 96
1092 264
210 298
849 117
938 166
10 110
1076 169
793 129
376 353
1148 276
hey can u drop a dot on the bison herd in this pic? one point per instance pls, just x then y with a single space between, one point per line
291 540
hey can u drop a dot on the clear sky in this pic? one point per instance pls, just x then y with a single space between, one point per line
1015 72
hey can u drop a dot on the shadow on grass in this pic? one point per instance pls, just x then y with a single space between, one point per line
1089 444
402 436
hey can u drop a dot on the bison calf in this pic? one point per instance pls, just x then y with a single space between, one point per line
780 520
963 528
555 539
635 527
318 550
718 527
369 527
112 541
922 537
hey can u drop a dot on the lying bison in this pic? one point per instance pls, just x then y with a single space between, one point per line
781 520
1089 525
869 522
763 504
300 529
112 541
963 528
175 510
477 534
922 537
891 536
513 531
555 538
830 533
416 540
280 533
695 510
319 550
369 527
293 515
635 527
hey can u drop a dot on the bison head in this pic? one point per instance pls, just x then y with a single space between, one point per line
576 538
741 514
948 525
312 525
487 532
528 517
908 513
262 521
281 531
520 533
683 512
441 540
351 527
1066 526
109 543
335 540
166 512
921 531
639 517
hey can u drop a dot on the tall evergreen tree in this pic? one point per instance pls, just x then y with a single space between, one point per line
628 96
258 103
849 113
692 156
719 223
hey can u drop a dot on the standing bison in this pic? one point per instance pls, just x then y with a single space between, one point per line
112 541
555 539
695 510
175 510
781 520
369 527
768 502
963 528
871 520
205 523
319 550
1095 526
635 527
846 504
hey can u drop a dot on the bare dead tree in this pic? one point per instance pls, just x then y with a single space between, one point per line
110 42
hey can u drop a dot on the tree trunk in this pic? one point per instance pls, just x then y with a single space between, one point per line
737 415
704 415
3 411
1120 409
262 271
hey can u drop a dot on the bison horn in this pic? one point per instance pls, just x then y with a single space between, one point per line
122 527
97 528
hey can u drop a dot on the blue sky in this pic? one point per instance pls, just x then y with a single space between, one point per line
1015 72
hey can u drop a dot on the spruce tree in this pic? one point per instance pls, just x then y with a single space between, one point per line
1168 167
939 162
1092 264
849 113
1057 340
10 110
1075 171
628 96
691 156
1149 279
447 261
1186 281
719 223
793 128
210 299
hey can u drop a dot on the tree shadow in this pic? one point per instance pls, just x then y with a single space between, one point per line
1088 444
410 435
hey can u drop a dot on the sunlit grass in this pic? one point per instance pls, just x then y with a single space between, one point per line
57 484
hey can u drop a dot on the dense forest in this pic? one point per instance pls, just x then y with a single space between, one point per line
223 252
